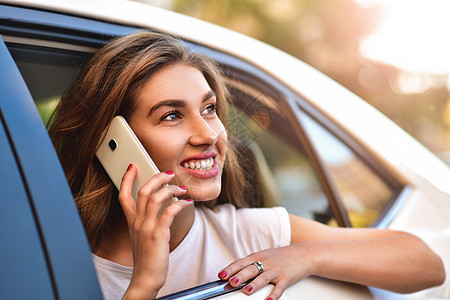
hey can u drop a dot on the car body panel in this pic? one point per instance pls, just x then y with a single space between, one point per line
318 288
23 258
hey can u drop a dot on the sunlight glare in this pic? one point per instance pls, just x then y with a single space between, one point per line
413 35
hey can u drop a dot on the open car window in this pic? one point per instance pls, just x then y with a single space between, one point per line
260 126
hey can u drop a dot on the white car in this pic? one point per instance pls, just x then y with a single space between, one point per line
322 152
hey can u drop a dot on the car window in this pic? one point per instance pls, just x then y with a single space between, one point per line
286 173
47 72
364 194
258 124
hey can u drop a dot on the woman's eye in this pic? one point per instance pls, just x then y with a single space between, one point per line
210 109
172 116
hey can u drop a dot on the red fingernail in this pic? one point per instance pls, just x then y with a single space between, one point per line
235 280
270 298
130 166
169 172
249 288
189 200
223 274
182 187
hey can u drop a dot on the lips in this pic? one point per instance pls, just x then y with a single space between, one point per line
202 165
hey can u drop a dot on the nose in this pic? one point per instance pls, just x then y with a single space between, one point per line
202 133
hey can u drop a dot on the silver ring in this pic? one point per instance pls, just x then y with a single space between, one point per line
259 265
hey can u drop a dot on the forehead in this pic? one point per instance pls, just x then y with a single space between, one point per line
174 82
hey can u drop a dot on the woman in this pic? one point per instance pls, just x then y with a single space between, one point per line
175 101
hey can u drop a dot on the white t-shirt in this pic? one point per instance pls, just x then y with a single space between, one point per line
217 238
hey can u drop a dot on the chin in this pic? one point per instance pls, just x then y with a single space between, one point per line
203 194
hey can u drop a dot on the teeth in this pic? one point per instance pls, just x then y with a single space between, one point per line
200 164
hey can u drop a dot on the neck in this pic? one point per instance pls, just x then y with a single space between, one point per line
116 244
181 226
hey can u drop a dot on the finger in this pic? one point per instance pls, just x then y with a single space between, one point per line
236 266
146 191
246 274
161 199
169 214
259 282
126 200
158 230
277 291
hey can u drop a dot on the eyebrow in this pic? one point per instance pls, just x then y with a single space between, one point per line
179 102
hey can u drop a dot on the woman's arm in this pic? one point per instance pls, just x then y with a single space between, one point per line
385 259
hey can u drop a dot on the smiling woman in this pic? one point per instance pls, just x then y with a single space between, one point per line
175 100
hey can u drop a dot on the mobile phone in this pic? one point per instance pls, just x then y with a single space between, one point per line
120 147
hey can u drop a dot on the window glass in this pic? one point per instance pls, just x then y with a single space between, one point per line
289 180
47 72
363 192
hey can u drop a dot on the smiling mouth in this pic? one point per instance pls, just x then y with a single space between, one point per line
199 165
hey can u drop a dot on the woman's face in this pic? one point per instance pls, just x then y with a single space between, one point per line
176 121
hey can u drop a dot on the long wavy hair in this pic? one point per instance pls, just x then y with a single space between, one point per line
108 86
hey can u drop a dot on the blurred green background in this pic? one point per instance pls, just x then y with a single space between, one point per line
393 54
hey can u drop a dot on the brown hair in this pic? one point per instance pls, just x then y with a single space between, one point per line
106 87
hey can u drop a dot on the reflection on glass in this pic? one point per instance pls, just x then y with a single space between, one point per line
286 170
46 83
46 72
363 192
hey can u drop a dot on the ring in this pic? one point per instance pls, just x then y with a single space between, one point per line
259 265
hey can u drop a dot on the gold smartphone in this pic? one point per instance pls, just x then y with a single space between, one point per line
119 148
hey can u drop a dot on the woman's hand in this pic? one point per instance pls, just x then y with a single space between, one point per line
282 266
149 230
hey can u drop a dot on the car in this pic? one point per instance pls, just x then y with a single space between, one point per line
321 151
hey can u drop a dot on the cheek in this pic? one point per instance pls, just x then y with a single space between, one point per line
165 150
